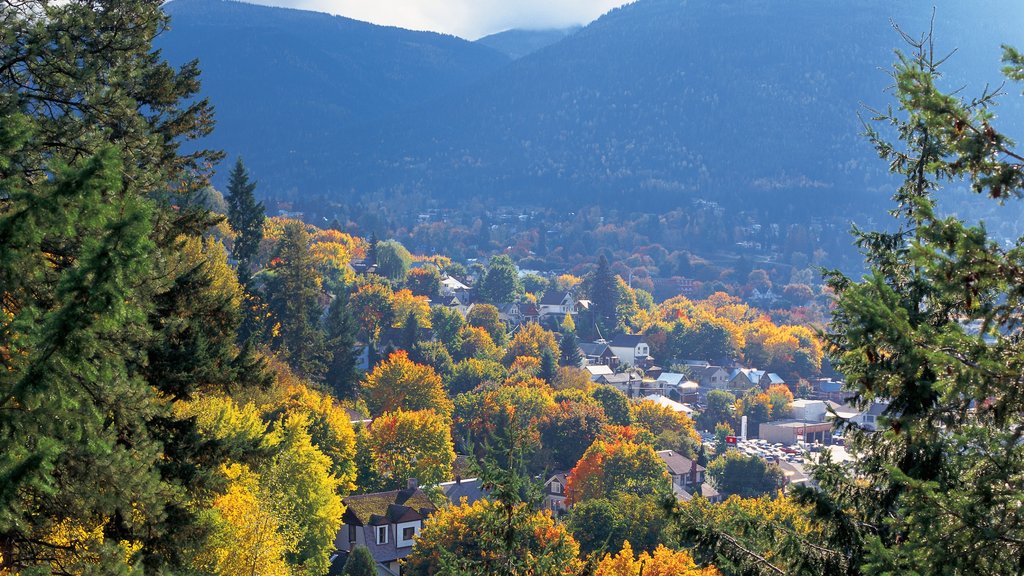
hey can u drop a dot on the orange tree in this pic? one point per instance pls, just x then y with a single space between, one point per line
618 466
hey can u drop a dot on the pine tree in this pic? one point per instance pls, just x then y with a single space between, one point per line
245 215
342 374
294 301
604 297
548 365
92 459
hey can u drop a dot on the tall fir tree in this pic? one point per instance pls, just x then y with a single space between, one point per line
569 350
96 470
294 292
604 297
342 372
246 217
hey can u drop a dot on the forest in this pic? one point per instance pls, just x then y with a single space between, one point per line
195 391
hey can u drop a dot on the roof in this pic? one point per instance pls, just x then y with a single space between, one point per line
469 488
708 491
454 284
775 378
668 403
672 378
386 507
593 348
677 463
599 370
553 298
627 340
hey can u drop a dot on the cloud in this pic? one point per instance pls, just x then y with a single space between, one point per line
467 18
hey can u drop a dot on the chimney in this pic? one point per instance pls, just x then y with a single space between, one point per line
412 484
458 479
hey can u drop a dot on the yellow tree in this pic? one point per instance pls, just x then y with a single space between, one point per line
663 562
531 340
398 382
246 537
411 444
617 466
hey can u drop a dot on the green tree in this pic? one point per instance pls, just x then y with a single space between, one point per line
342 376
92 122
294 291
414 444
393 260
615 404
424 282
604 297
473 372
719 409
933 331
245 215
604 524
446 324
569 349
745 476
548 366
501 282
360 563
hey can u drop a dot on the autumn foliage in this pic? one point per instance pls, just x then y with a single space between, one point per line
663 562
398 382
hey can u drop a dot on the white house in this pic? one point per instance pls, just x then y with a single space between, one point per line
632 349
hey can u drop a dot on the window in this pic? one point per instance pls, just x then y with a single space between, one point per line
408 532
556 487
382 534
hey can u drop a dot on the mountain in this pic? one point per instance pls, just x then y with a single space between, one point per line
517 43
750 102
286 82
660 100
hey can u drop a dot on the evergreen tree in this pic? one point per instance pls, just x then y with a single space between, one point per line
294 301
410 332
360 563
96 471
569 350
604 297
342 374
245 215
548 365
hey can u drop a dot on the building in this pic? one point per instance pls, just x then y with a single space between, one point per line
470 489
632 349
554 493
385 522
788 432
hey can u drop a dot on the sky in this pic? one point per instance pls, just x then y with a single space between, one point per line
469 19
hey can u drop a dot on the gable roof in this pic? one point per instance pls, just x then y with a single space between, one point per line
386 507
672 378
626 340
600 370
678 465
593 348
553 298
668 403
469 488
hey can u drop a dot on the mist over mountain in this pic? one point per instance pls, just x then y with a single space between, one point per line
751 103
518 43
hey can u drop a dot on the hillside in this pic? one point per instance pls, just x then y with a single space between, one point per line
752 103
517 43
286 82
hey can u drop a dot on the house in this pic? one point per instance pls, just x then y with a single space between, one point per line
456 303
710 377
629 383
769 379
810 410
470 489
598 353
510 313
744 379
385 522
632 349
451 287
556 305
554 493
598 370
685 473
